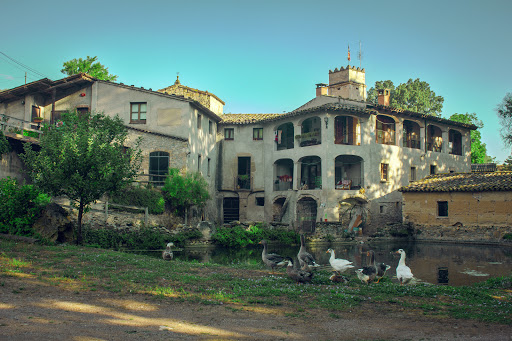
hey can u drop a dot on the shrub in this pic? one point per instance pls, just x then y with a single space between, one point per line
144 239
20 207
182 191
239 236
141 197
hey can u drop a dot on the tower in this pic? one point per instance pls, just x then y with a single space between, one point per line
348 83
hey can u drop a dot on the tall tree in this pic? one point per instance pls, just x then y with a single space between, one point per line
504 111
478 148
415 95
89 66
84 158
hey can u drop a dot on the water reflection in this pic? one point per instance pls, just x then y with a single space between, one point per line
436 263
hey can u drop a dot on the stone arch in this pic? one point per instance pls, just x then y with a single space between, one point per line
285 136
307 209
385 129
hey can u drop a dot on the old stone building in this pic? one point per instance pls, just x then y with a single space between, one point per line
455 204
337 158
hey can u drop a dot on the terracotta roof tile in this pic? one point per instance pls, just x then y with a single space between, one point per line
462 182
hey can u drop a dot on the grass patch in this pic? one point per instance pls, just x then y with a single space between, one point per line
89 269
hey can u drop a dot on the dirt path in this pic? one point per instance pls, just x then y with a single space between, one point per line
30 310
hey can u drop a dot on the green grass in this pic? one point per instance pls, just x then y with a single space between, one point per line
239 285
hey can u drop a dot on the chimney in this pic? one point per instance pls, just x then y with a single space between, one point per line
321 89
383 97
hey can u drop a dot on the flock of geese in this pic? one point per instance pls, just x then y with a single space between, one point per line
304 270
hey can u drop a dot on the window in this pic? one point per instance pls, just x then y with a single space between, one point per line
442 208
138 112
412 176
384 174
229 133
385 130
381 209
208 169
210 127
260 201
432 169
199 117
257 133
158 167
199 163
82 110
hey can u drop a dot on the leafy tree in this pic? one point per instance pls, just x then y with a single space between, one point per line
415 95
88 65
84 159
507 164
182 191
478 148
504 111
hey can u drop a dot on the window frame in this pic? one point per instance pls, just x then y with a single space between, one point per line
232 135
384 172
412 174
442 209
139 120
199 121
257 134
210 127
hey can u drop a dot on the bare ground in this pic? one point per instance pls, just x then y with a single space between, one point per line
32 310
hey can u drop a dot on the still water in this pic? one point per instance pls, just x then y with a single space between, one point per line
435 263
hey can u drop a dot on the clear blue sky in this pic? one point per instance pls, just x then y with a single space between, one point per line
266 56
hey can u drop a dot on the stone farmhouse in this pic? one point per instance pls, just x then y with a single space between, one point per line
460 205
337 158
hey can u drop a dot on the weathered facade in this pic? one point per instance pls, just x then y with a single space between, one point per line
334 158
337 158
176 131
454 204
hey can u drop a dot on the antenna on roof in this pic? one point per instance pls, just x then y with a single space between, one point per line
348 55
360 54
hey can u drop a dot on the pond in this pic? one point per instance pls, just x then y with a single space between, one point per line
435 263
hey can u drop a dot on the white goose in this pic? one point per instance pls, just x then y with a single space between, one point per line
339 265
403 272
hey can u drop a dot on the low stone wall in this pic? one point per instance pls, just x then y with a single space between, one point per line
459 233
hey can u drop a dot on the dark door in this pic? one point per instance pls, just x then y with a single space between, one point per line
231 209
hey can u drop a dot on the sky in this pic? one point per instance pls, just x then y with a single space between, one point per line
266 56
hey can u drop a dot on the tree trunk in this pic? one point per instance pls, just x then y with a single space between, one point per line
79 225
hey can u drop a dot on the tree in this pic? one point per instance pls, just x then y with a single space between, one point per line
84 158
182 191
478 148
88 66
504 111
415 95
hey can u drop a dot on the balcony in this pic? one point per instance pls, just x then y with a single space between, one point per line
309 139
243 182
20 129
283 183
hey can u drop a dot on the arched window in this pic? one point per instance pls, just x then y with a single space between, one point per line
347 130
310 132
434 139
158 167
284 136
455 142
411 134
385 130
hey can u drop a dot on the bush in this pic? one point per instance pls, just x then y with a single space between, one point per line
141 197
182 191
144 239
239 236
20 207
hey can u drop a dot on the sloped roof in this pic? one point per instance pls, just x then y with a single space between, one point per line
377 108
260 118
462 182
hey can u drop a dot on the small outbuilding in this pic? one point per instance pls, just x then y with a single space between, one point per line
458 204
